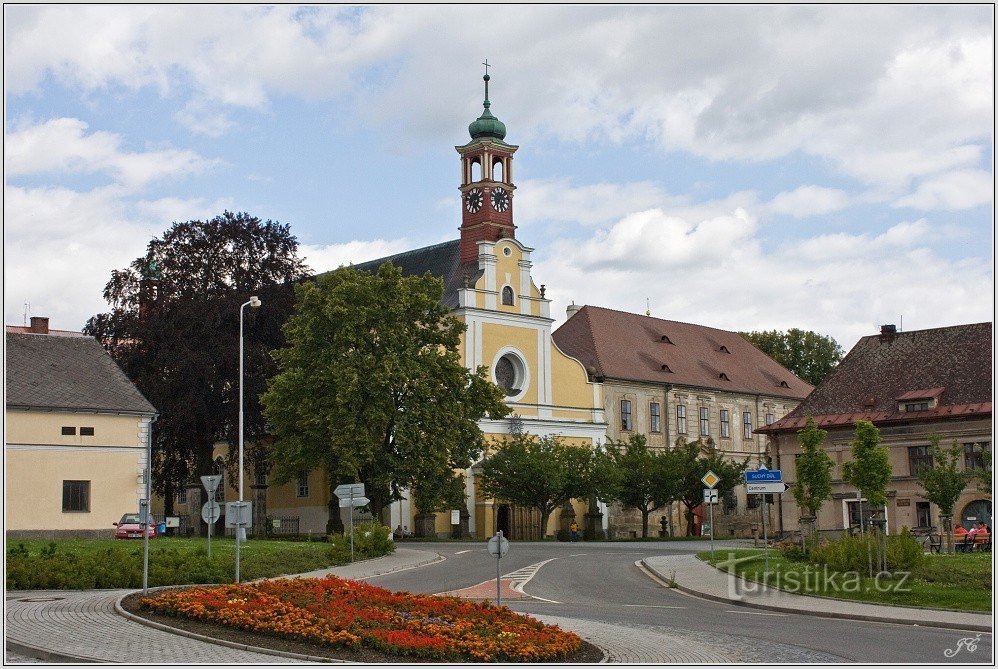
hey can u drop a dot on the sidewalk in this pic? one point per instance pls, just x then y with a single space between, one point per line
698 578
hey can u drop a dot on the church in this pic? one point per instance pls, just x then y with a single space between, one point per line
490 288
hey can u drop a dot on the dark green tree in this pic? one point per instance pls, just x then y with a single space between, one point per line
944 481
814 472
540 473
174 329
693 460
648 479
807 354
371 386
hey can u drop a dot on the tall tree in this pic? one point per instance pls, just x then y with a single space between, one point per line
541 473
693 460
372 387
944 481
814 472
870 471
174 329
807 354
647 479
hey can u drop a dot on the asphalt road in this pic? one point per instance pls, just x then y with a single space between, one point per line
600 582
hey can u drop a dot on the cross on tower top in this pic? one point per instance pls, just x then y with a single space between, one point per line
486 64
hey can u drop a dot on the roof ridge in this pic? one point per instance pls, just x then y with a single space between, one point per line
408 252
662 320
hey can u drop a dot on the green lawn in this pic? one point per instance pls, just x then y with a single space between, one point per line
960 582
76 564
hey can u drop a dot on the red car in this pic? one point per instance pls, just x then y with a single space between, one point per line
129 527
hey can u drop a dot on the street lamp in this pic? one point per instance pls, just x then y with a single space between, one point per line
253 302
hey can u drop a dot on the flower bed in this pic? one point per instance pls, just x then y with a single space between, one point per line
350 614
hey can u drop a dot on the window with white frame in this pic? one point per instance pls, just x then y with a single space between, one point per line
747 424
725 423
681 418
301 489
655 417
704 421
626 422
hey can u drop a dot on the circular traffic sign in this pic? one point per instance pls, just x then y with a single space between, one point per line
498 546
210 512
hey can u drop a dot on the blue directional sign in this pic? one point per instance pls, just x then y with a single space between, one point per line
763 475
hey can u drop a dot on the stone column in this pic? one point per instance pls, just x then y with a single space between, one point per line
258 494
196 497
567 517
426 525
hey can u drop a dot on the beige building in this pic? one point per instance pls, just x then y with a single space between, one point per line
676 381
909 385
76 439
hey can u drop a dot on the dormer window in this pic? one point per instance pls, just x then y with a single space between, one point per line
784 384
665 368
724 349
919 400
724 377
665 339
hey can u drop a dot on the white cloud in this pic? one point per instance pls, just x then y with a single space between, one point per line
808 201
717 273
63 145
331 256
959 189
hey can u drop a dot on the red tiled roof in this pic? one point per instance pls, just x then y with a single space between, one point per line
954 363
24 329
626 346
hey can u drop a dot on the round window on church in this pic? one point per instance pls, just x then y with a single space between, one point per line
509 374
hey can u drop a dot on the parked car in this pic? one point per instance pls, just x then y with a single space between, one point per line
129 527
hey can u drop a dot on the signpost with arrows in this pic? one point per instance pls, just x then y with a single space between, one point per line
351 495
764 481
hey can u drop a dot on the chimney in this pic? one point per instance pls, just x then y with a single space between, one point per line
888 333
39 325
570 311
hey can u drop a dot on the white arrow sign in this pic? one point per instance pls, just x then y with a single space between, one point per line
766 488
353 501
349 490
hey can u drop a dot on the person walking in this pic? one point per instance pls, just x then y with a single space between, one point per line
574 529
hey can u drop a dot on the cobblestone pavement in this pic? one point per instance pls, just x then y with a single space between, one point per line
84 625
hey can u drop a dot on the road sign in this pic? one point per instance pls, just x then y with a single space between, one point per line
349 490
353 501
710 496
763 475
173 521
498 546
766 488
210 512
211 482
710 479
238 514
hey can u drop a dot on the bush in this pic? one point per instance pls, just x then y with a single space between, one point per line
791 550
370 540
852 553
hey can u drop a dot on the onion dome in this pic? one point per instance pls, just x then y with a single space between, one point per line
487 125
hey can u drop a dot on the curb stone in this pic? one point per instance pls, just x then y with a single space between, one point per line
974 627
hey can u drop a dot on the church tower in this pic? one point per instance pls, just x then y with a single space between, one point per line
486 183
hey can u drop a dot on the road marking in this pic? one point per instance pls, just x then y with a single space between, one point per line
578 554
656 606
467 551
757 613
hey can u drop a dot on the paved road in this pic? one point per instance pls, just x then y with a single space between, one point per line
601 583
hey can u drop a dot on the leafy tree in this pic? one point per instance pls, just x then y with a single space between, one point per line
870 471
541 473
647 479
982 473
807 354
944 482
693 460
174 329
870 468
814 470
372 388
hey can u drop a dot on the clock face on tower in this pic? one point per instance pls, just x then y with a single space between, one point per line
500 199
473 200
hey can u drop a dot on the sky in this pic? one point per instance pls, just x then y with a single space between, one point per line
829 168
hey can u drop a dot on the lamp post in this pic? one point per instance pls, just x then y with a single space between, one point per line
253 302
